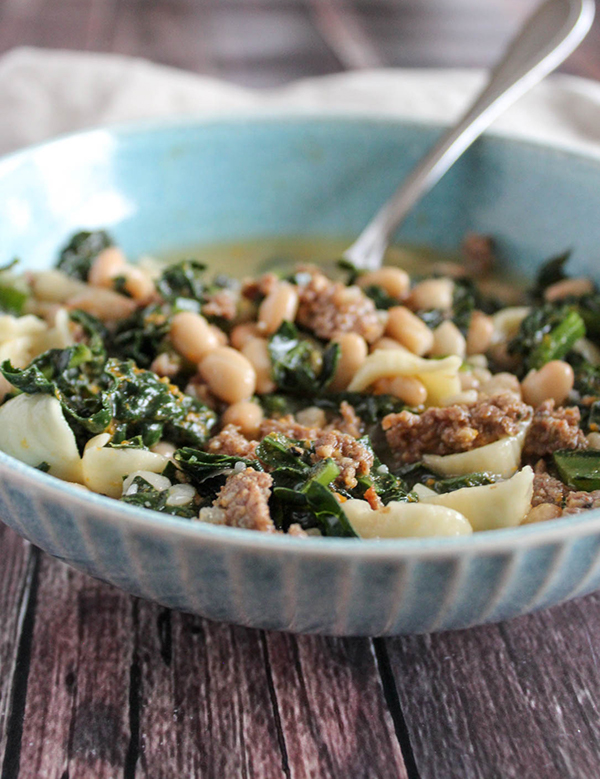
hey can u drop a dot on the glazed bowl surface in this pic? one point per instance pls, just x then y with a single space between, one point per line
162 187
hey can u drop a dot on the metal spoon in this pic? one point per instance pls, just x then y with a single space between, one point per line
545 40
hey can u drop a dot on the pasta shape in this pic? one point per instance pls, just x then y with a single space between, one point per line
105 468
501 458
440 377
490 506
507 322
34 430
405 520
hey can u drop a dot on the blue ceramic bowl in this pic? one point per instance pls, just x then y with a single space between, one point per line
158 187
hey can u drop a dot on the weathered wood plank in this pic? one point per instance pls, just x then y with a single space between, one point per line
76 719
332 708
205 704
511 700
17 565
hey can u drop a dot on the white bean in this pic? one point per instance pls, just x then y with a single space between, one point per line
410 331
480 333
353 352
229 374
567 288
553 381
246 415
432 293
256 350
192 336
280 305
106 267
447 339
394 281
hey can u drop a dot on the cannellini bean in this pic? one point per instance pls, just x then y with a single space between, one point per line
192 336
432 293
221 337
157 480
105 304
410 331
229 374
480 333
106 267
138 284
553 381
165 448
246 415
241 334
541 513
386 343
256 351
501 382
180 495
166 364
406 388
447 339
280 305
468 380
394 281
353 352
568 288
313 416
461 398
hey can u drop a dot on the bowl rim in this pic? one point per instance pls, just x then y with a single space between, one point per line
488 542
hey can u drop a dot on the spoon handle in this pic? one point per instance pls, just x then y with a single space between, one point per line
546 39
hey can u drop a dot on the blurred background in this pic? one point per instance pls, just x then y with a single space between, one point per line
269 42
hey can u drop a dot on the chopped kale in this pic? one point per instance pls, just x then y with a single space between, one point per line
547 333
298 366
442 486
579 469
117 397
370 408
145 405
141 336
208 472
552 271
142 493
182 280
588 308
78 255
12 300
380 297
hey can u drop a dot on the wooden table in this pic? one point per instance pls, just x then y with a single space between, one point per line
95 684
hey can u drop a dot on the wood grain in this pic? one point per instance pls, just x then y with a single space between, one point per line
512 700
332 708
76 720
205 708
17 571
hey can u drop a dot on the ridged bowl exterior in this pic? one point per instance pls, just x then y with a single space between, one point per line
167 186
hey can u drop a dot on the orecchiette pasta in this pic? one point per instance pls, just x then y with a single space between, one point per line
34 430
405 520
490 506
104 468
440 377
500 457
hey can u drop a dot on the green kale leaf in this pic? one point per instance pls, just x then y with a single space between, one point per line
141 336
297 365
182 280
78 255
547 333
142 493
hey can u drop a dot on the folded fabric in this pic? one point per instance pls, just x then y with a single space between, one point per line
46 92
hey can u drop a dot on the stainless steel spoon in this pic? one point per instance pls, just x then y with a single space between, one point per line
545 40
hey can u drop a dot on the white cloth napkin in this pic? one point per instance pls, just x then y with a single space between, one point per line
44 93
